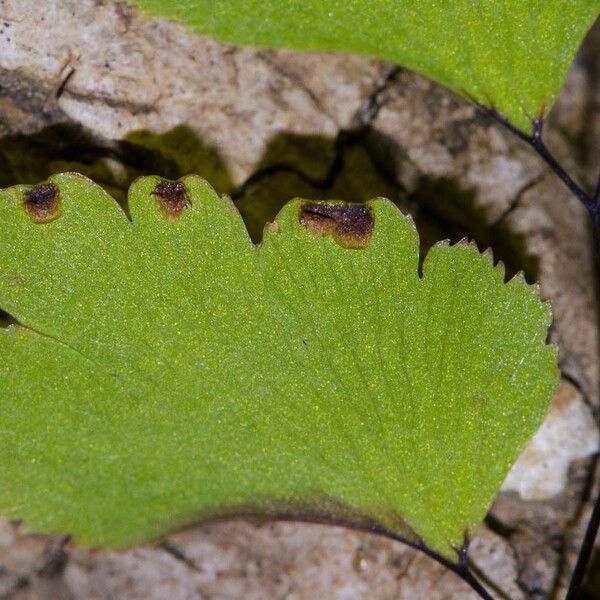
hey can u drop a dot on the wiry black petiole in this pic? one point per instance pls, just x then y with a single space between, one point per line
592 203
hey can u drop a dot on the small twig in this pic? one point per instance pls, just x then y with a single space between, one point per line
11 19
66 71
54 557
176 552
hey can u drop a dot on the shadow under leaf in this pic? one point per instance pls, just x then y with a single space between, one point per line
356 166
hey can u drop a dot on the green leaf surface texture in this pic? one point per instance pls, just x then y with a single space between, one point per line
510 55
164 369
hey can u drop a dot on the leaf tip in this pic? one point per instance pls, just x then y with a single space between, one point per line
519 279
534 291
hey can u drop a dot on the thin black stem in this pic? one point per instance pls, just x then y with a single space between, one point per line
467 576
597 193
585 552
592 203
459 568
535 141
542 150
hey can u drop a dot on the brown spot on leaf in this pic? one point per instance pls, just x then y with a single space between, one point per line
42 203
172 199
350 225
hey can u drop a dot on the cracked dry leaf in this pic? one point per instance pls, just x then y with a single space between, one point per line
509 55
165 369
